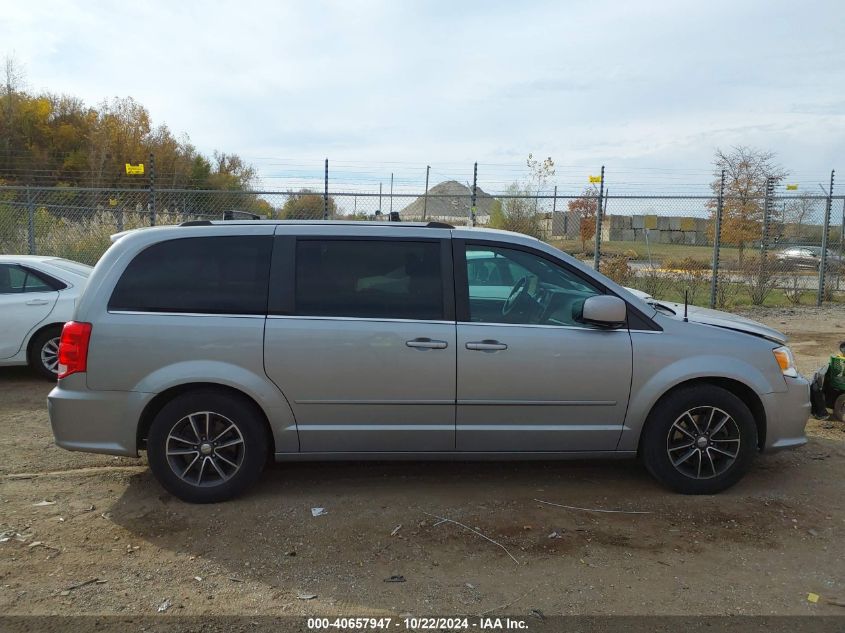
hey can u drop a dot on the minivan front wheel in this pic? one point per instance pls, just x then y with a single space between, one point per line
699 440
207 446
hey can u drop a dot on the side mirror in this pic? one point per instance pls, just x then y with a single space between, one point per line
604 311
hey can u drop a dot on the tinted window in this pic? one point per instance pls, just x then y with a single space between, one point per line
14 279
214 275
369 278
513 286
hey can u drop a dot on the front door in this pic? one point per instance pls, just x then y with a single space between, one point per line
366 355
531 376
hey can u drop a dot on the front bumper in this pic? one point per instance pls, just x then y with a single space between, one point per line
95 421
787 413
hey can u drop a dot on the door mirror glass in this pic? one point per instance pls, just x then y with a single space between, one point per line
604 311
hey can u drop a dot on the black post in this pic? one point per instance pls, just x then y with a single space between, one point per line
425 195
472 210
326 192
152 189
31 223
825 238
597 249
767 221
391 196
717 243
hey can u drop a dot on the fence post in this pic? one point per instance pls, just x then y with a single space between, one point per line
425 195
326 191
152 189
474 192
825 235
767 221
717 243
597 249
391 197
31 223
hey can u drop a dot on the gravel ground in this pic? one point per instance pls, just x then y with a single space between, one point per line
109 540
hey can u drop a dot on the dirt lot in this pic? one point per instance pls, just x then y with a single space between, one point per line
756 549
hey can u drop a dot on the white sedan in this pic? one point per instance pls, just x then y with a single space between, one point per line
37 297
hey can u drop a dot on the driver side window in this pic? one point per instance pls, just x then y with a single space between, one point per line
513 286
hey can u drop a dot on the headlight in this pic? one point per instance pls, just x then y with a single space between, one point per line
786 361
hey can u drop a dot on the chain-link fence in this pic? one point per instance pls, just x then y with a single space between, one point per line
718 251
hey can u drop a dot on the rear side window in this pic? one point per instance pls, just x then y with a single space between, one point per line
15 279
206 275
369 279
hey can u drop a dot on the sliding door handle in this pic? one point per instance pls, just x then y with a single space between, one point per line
426 343
487 345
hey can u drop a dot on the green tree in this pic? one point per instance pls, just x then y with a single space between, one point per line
306 204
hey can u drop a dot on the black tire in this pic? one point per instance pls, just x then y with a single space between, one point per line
662 444
250 454
46 341
838 412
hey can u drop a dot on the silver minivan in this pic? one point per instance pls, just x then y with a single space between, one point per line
218 346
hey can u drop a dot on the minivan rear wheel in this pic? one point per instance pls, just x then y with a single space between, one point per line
699 440
206 446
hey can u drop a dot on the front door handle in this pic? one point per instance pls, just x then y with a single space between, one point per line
37 302
427 343
487 345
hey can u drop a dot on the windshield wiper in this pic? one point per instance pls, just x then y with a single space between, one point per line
661 307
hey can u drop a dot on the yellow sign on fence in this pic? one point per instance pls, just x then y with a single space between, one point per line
595 178
135 170
792 187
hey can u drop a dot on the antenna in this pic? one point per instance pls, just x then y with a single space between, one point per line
686 303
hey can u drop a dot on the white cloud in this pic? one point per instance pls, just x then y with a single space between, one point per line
621 83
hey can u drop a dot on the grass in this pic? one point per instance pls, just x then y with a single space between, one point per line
727 254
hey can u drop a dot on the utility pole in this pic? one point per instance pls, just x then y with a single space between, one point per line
425 195
326 191
472 209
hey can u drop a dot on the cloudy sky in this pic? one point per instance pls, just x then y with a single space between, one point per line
647 88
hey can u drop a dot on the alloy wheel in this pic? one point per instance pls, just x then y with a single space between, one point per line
50 355
703 442
205 449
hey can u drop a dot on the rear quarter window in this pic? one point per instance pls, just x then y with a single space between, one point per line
204 275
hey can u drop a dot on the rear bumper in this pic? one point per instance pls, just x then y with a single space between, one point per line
95 421
787 413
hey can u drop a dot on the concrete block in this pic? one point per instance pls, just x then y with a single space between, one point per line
650 222
663 223
629 235
690 237
687 224
676 237
637 221
675 223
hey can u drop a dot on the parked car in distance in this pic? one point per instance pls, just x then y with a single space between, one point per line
217 346
37 296
808 257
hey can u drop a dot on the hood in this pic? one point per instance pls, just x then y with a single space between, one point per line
725 320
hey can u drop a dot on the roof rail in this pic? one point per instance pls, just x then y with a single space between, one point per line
430 225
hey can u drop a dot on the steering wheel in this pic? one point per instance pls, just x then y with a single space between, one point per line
518 292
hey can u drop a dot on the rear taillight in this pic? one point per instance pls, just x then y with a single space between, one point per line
73 348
